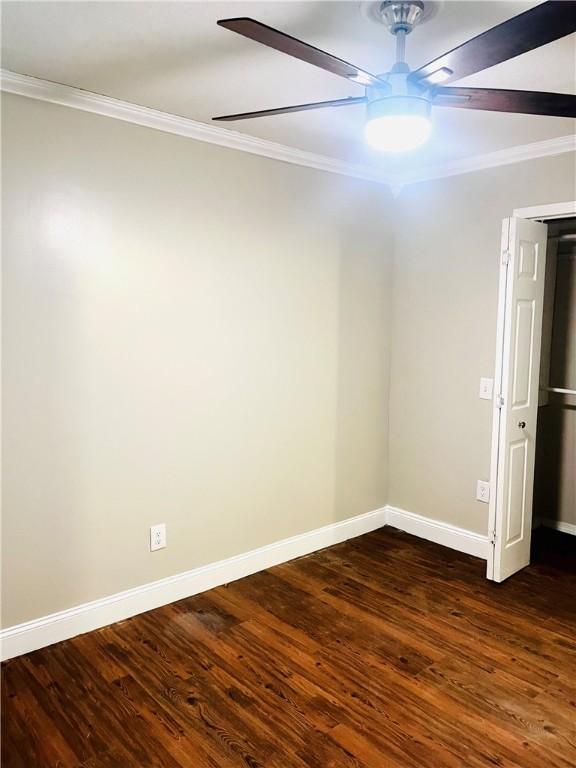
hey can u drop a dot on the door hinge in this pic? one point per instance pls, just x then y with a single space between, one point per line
499 401
492 537
506 257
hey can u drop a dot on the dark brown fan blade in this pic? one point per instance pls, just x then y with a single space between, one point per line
266 35
495 100
533 28
297 108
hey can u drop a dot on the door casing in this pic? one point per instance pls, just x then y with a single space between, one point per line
545 212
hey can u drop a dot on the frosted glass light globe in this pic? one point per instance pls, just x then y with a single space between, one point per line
398 133
398 123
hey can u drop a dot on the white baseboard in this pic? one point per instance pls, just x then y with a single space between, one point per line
441 533
558 525
32 635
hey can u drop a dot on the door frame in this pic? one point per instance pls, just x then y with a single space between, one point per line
544 212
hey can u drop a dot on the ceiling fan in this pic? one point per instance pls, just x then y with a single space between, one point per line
399 102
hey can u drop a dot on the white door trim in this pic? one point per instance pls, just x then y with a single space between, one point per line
547 212
544 212
496 403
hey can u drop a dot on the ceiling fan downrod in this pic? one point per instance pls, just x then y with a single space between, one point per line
401 16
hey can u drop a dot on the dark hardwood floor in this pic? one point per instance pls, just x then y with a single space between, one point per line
383 652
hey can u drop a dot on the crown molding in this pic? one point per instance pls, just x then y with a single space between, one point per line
87 101
508 156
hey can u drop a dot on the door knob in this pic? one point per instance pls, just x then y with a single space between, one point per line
522 424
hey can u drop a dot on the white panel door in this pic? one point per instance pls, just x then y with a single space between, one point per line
526 256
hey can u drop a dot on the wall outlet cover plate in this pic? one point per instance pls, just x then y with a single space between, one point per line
157 537
483 491
486 388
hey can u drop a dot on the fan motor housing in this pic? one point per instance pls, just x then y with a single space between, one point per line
397 83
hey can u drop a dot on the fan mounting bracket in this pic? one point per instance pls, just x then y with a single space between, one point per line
401 15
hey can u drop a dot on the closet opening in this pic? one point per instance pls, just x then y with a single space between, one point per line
532 508
554 499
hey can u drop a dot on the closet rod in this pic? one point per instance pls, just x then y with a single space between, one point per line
560 390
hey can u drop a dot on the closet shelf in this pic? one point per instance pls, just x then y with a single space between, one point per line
560 390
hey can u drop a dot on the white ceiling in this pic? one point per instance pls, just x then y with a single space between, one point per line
171 56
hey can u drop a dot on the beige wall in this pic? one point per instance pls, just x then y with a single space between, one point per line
192 335
445 290
202 337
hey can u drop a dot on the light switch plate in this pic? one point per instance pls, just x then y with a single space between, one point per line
483 491
157 537
486 389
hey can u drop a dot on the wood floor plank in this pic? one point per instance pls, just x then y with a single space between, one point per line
385 651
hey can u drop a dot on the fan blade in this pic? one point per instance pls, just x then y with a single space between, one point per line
536 27
495 100
297 108
266 35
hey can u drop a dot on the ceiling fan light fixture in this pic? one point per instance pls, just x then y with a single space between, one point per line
398 123
360 78
439 76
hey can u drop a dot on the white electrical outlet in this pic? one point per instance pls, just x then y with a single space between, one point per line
157 536
483 491
486 389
